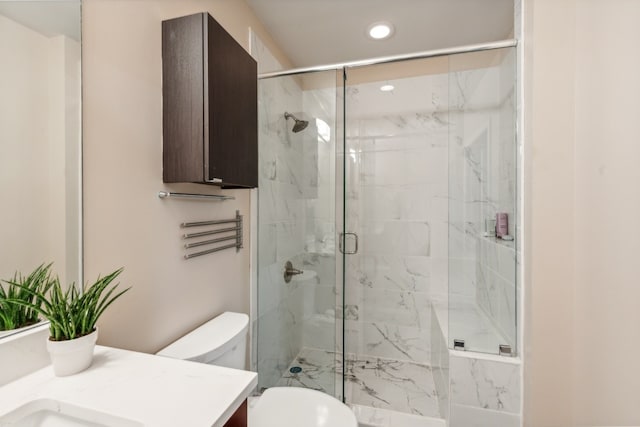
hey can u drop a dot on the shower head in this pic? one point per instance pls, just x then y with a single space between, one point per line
299 125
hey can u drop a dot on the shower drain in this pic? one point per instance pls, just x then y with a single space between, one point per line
295 369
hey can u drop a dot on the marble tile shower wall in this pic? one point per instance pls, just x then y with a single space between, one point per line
281 221
472 97
440 364
397 204
496 264
281 226
296 216
484 393
483 182
319 258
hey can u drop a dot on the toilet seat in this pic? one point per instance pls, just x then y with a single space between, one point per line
299 407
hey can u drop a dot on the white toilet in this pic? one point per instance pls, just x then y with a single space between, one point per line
222 341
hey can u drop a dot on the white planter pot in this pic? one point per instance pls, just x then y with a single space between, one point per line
72 356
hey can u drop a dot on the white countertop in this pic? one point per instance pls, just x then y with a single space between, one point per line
153 390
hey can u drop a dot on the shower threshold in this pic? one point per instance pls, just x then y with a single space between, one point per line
381 392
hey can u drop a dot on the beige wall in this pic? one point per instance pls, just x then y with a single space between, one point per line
582 303
39 129
125 222
24 83
549 211
607 222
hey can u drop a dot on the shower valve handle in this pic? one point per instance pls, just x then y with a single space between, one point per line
289 271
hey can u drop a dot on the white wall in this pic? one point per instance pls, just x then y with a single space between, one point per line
581 105
125 222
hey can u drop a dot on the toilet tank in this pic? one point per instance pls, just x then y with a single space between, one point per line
222 341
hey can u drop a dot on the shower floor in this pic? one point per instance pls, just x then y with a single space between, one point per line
318 372
380 390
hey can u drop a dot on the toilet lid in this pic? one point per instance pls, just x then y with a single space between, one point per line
211 340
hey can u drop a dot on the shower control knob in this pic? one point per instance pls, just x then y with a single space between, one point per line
289 271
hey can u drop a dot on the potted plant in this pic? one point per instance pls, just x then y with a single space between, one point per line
23 288
73 314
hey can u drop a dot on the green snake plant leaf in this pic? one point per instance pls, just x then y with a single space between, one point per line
73 312
25 289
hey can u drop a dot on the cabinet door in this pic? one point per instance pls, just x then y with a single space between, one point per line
231 153
183 100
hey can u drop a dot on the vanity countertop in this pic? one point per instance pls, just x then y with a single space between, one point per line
153 390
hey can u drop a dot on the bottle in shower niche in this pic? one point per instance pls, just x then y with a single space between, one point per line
502 224
490 228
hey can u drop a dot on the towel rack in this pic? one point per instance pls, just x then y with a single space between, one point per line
213 197
236 236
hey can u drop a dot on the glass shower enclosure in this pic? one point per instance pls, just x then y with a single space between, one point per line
385 206
297 331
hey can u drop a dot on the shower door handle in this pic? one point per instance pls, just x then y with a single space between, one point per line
342 243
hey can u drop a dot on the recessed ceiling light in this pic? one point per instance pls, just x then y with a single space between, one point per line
387 88
380 30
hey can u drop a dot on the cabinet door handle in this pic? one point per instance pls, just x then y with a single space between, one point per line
214 180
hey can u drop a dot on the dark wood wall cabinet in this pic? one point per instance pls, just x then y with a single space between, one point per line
210 105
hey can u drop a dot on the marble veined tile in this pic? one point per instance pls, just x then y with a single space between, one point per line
421 140
395 237
319 330
470 324
402 392
399 308
391 384
469 416
428 122
393 272
397 342
376 417
319 371
485 384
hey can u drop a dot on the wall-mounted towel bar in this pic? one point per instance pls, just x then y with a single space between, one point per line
237 235
210 232
208 242
210 251
213 197
201 223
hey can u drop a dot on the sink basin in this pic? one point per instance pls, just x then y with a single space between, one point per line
54 413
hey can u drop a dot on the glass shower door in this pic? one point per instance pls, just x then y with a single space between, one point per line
296 312
395 205
482 188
